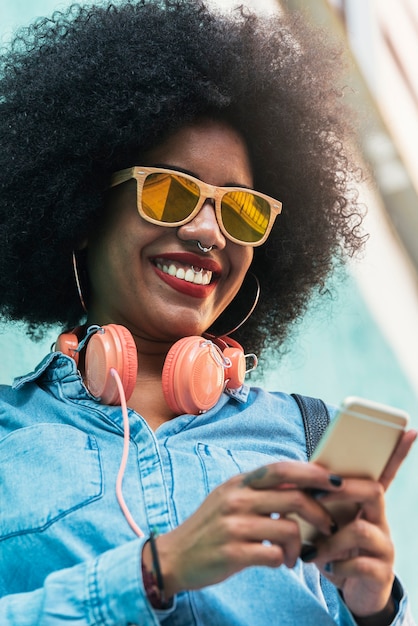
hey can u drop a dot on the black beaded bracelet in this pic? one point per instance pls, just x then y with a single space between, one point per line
156 565
153 581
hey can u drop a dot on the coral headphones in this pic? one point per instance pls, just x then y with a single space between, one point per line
195 372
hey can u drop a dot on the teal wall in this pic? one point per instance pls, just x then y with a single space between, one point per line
337 351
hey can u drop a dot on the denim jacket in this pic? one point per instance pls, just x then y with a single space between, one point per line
67 553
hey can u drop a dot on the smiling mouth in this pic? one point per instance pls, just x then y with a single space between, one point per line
188 273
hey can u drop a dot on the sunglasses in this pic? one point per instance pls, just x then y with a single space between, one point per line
170 198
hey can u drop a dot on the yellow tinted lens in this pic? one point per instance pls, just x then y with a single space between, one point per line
169 198
245 215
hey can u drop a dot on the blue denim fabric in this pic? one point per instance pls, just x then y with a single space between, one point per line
67 553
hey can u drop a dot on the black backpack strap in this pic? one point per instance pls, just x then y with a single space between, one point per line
315 419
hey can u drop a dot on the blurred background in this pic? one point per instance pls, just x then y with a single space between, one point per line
363 340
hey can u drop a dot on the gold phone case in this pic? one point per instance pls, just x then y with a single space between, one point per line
357 444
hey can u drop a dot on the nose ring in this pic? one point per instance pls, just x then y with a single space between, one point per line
203 248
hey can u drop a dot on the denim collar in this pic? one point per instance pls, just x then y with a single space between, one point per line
56 366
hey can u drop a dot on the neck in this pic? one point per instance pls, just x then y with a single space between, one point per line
148 401
147 398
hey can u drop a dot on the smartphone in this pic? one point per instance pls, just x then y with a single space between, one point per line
357 444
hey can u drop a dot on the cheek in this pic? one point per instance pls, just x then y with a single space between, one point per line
240 263
119 235
106 257
243 260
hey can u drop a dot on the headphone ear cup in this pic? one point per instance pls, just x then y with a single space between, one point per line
67 343
193 376
114 347
235 374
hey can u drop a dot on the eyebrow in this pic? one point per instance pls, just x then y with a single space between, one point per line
190 173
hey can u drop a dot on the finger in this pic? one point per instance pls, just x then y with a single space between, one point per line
265 530
402 449
197 564
365 567
360 537
291 474
366 583
297 502
280 503
261 553
243 541
366 495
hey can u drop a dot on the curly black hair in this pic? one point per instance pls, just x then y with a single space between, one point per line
86 91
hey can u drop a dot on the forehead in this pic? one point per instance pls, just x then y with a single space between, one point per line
210 149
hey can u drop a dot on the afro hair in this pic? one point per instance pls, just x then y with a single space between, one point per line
83 93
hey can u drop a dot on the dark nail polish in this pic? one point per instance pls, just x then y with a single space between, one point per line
333 528
336 481
317 494
308 553
329 568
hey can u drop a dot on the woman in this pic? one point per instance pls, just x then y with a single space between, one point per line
147 148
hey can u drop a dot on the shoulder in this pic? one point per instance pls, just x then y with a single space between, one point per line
41 396
295 414
287 403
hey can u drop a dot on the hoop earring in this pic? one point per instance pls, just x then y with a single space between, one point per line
248 315
78 282
251 311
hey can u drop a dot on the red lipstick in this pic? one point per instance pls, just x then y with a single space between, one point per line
185 262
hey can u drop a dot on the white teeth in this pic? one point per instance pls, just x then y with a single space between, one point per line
196 275
189 276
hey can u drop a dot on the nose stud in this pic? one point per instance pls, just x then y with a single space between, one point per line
203 248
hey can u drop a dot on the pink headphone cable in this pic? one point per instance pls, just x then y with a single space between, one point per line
125 453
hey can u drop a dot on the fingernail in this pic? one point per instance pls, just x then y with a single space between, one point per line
317 494
333 528
308 553
336 481
329 568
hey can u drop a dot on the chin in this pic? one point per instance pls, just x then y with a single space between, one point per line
186 330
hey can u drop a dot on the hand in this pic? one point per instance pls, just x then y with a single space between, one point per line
359 558
234 528
401 451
